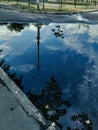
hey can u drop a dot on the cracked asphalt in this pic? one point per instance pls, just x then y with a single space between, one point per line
8 15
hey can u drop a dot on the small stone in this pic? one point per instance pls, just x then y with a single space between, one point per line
12 108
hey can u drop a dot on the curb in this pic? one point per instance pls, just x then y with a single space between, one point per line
26 104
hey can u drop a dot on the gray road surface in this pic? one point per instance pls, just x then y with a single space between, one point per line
12 116
12 113
7 15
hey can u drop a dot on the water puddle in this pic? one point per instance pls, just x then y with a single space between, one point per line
56 65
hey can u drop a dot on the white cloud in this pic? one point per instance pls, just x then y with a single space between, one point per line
93 33
26 68
6 34
73 43
52 48
31 27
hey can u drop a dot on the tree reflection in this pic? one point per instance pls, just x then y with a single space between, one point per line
17 27
13 76
84 26
58 32
1 24
53 107
82 122
50 101
1 51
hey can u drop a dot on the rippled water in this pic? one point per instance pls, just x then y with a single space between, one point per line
67 51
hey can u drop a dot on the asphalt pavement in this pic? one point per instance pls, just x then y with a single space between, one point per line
16 110
20 16
12 116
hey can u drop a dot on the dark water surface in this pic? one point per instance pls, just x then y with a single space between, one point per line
67 51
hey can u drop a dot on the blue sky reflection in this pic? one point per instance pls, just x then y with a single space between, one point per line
71 59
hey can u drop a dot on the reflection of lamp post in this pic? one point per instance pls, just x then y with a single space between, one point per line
38 45
38 26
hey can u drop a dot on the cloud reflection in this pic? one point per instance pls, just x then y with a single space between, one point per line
71 60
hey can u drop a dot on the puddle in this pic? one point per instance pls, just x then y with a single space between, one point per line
63 53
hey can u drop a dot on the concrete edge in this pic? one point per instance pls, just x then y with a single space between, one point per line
29 108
